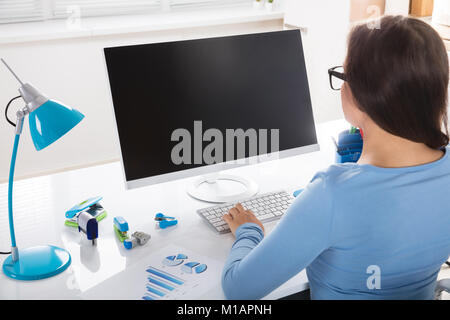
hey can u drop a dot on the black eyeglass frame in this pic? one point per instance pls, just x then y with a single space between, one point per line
333 73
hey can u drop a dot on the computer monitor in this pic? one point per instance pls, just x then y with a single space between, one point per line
190 108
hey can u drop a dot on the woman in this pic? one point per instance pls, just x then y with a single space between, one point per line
378 229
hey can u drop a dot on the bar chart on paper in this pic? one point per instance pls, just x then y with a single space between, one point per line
171 283
161 284
169 274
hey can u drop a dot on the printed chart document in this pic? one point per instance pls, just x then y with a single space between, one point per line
169 274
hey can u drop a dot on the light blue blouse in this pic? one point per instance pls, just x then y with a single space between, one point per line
361 232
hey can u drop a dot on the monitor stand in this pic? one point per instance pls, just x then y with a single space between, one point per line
213 188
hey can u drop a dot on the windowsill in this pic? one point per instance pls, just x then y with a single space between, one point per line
101 26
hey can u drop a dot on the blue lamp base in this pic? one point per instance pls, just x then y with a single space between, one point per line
37 263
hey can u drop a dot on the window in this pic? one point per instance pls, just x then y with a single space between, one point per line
21 10
175 4
89 8
32 10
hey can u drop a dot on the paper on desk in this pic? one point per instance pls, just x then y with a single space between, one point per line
171 273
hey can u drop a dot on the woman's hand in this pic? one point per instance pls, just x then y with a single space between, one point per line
237 216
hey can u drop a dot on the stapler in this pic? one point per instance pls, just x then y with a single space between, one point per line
165 221
121 228
137 238
91 206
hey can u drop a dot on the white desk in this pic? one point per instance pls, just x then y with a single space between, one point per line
40 204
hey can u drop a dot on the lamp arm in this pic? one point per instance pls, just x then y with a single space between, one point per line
11 70
19 126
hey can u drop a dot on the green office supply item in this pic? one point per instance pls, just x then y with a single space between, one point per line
122 236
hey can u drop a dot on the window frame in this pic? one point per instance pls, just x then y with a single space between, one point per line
49 9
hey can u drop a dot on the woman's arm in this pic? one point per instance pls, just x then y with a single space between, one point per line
257 266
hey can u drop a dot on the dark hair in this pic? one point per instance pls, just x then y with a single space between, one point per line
399 76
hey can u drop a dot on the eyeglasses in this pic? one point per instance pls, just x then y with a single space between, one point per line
337 77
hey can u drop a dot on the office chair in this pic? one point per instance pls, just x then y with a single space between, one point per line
441 286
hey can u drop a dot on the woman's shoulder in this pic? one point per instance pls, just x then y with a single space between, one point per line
339 172
339 179
350 174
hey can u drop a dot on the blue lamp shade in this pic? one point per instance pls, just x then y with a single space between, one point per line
51 121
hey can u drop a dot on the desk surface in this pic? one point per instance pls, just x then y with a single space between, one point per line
40 204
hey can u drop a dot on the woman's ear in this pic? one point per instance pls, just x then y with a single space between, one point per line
352 113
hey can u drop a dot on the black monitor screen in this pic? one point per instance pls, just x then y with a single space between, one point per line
255 81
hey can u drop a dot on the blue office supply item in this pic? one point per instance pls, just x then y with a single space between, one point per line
349 146
91 206
137 238
82 206
121 229
49 121
165 221
130 243
297 192
121 224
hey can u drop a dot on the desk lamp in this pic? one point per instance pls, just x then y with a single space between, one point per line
49 120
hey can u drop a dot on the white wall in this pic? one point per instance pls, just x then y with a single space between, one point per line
327 23
73 71
325 45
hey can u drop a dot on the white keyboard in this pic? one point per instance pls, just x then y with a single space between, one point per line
266 207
